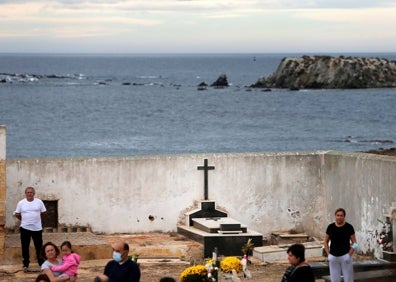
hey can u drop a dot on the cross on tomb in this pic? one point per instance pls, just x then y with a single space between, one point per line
205 168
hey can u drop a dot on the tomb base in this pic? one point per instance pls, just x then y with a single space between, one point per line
214 229
389 256
227 244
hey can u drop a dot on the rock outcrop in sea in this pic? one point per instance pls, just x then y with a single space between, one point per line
327 72
220 82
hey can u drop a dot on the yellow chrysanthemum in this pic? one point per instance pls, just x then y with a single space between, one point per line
230 263
209 261
196 269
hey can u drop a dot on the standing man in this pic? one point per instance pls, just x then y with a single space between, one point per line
30 211
341 236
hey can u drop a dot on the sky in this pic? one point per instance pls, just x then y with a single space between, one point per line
197 26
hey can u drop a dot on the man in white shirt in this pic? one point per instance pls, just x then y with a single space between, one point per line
30 211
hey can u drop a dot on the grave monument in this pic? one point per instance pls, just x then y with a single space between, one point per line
214 229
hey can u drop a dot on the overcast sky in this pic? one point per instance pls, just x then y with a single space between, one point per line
197 26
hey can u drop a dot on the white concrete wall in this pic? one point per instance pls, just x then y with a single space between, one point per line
265 191
119 194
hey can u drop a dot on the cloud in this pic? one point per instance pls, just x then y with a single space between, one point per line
186 23
352 4
209 4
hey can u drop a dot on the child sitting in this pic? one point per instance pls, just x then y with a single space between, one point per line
70 263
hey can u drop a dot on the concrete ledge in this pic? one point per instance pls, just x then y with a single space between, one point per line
388 256
229 232
383 275
321 269
86 244
277 253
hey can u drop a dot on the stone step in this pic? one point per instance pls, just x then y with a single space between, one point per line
278 252
284 237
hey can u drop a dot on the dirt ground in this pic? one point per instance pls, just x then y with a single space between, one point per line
154 261
151 272
158 257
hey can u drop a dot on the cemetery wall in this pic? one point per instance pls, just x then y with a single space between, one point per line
265 191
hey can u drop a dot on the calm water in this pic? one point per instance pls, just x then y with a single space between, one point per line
64 106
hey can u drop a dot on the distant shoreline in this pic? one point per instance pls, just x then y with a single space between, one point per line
387 152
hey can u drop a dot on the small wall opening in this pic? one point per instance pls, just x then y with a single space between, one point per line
51 218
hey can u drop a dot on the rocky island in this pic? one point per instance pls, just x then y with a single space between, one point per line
327 72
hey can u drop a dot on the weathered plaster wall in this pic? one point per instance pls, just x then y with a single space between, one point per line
120 194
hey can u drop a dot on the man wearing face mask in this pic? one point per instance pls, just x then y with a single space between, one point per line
121 268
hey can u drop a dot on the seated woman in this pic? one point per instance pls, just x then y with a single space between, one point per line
51 252
71 261
300 269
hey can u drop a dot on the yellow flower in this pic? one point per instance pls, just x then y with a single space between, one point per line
209 261
192 270
230 263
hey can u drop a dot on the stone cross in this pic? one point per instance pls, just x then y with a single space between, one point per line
205 168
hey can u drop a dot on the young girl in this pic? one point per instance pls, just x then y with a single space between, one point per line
70 263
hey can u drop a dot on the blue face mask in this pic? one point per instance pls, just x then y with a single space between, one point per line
117 256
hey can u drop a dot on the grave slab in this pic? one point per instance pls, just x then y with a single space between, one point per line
219 225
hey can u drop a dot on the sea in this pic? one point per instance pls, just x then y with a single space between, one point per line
91 105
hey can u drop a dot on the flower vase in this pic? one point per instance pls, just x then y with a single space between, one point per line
215 271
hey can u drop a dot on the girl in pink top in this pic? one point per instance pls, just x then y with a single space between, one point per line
71 261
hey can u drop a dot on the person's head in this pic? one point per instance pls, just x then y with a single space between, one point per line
167 279
29 193
66 248
120 251
296 254
340 216
50 251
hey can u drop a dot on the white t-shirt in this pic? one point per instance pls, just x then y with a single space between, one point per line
31 213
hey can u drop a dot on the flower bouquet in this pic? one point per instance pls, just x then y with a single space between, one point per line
196 273
385 236
247 248
229 263
213 270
